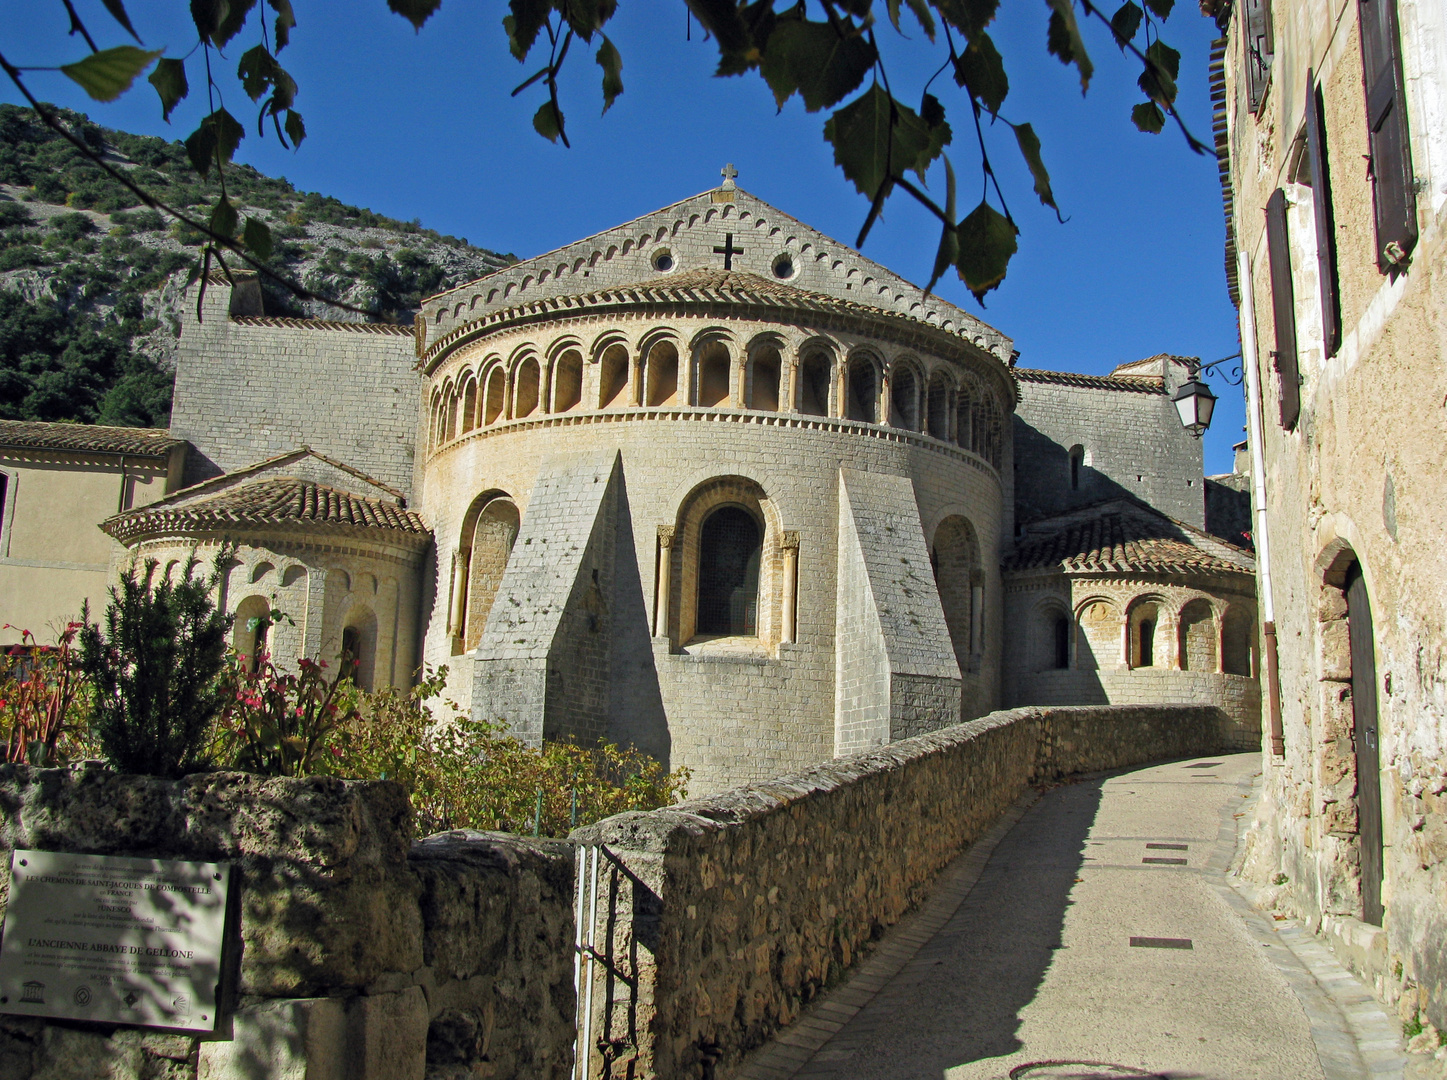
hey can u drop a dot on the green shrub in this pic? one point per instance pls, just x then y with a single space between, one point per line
157 668
71 227
14 213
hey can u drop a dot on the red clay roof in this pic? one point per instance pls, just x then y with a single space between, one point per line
87 438
1122 537
268 502
1134 384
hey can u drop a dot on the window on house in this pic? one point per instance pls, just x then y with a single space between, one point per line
1320 179
730 546
1077 463
1394 196
1146 654
1062 642
863 390
1260 45
1283 310
814 377
351 651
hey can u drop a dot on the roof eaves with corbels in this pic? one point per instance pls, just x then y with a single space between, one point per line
738 294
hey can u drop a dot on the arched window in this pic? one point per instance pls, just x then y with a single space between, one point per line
525 396
730 547
904 398
815 373
955 557
613 377
764 369
662 374
1198 637
568 381
496 391
714 390
863 390
1060 625
359 647
964 416
250 630
469 406
1077 464
487 547
939 406
1238 640
1144 618
351 649
449 422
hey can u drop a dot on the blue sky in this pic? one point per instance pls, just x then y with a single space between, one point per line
421 126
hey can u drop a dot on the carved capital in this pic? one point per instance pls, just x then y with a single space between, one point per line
790 540
665 536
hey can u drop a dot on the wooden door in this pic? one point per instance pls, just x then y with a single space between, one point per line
1364 738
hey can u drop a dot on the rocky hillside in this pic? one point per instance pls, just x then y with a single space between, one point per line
103 279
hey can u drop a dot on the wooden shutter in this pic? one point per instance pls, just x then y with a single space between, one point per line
1394 195
1325 219
1283 309
1257 36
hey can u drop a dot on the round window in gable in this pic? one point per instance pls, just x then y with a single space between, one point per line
663 260
784 267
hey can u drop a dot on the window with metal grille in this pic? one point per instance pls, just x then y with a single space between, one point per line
1260 45
1394 196
730 545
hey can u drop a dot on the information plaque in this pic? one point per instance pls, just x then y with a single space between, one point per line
118 940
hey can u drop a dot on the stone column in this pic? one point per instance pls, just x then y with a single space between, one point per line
665 580
790 548
458 615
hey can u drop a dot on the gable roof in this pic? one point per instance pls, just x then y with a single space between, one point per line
688 232
1124 536
87 438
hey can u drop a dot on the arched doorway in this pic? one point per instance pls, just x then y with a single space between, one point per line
1365 741
730 547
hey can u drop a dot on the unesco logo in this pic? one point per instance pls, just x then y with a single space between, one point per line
82 996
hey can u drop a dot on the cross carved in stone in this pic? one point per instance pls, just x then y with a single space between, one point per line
728 251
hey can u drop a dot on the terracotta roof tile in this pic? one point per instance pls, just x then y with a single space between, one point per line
135 442
269 502
1124 538
1133 384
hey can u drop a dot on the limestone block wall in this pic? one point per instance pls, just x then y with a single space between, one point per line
1132 440
250 387
726 914
666 692
358 954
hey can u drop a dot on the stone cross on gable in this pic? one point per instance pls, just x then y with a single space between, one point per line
728 172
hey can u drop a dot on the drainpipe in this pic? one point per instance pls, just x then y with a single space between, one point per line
1249 365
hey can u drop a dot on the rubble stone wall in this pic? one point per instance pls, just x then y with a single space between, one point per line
723 916
358 954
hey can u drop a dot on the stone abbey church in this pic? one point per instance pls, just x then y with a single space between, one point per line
712 484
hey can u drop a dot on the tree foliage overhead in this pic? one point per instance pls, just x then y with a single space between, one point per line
825 51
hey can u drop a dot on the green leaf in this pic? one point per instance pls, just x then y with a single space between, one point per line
118 12
612 65
922 14
214 140
285 21
524 24
295 129
981 71
223 218
108 74
1126 23
949 249
208 15
969 16
736 30
416 12
257 237
1148 117
1158 80
1029 144
255 70
987 240
1165 56
1161 8
169 79
548 121
869 151
1063 40
816 60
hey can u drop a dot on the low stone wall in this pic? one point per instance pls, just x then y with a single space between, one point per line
359 954
722 917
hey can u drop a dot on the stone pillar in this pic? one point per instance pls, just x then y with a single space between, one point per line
789 381
457 617
316 598
790 548
665 580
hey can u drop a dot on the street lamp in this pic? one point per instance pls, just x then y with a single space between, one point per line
1194 401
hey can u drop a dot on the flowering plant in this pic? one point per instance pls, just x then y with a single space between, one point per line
44 703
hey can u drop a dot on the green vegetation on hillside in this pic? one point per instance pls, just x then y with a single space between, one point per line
87 347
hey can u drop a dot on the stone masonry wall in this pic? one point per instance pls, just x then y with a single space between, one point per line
357 954
727 914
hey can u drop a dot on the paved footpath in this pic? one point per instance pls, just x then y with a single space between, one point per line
1093 934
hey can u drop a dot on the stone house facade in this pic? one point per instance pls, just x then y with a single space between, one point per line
709 483
1332 131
